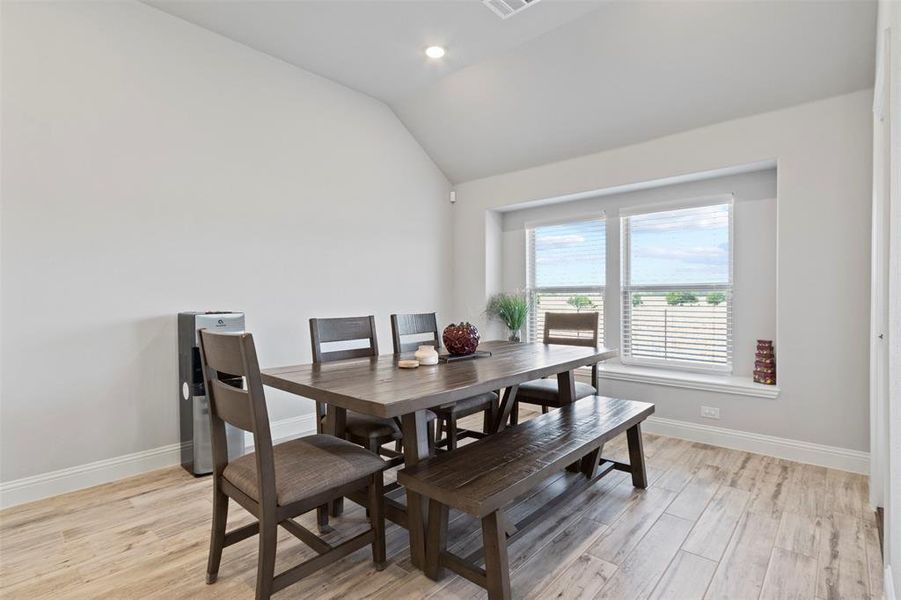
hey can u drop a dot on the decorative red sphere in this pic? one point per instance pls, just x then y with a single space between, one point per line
461 339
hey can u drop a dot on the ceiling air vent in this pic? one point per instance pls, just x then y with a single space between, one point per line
507 8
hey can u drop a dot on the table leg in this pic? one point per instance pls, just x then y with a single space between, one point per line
506 406
566 391
336 425
566 386
416 448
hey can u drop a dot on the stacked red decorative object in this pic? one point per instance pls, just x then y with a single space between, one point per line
462 339
765 363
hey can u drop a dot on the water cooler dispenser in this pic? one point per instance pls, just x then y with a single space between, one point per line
196 451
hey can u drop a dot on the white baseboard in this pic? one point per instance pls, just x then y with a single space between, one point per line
805 452
54 483
28 489
71 479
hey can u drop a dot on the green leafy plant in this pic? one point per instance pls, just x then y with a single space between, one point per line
636 300
579 302
716 298
511 309
681 298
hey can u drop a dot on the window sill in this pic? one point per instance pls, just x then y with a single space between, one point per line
726 384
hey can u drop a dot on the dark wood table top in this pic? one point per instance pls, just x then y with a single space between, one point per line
377 386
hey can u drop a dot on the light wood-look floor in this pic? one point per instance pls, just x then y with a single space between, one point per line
714 523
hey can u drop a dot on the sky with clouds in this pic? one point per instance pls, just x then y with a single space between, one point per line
687 246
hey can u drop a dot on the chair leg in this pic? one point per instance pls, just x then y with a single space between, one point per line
514 414
436 540
439 430
452 433
374 447
217 535
430 437
544 409
497 567
266 559
490 415
322 519
377 518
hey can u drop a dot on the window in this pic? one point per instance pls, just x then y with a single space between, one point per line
566 271
677 286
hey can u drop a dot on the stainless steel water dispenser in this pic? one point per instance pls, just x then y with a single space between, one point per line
194 417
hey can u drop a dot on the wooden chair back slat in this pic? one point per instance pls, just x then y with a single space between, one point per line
342 329
232 405
344 354
223 353
414 324
558 325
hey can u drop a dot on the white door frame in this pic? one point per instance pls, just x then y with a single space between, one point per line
879 277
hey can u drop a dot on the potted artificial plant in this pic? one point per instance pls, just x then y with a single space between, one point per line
512 310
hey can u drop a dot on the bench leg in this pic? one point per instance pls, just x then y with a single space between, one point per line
436 541
589 464
497 568
636 456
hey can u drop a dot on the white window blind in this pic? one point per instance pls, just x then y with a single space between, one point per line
677 286
566 271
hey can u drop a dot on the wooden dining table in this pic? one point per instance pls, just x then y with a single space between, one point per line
377 386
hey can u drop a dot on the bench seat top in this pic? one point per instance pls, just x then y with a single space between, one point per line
483 476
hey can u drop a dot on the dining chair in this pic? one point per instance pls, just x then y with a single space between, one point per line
571 329
423 327
277 483
365 430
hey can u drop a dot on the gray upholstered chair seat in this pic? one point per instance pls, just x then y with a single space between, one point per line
469 406
545 392
305 467
369 427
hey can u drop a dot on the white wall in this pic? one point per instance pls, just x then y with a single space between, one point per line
823 151
150 166
754 250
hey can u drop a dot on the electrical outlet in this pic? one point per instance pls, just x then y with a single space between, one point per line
710 412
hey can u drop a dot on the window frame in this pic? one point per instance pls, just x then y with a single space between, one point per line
626 288
532 291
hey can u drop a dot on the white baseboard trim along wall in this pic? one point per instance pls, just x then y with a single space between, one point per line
28 489
804 452
54 483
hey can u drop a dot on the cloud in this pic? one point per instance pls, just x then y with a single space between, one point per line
697 254
562 239
691 219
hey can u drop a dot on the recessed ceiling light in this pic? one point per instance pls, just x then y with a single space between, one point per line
434 51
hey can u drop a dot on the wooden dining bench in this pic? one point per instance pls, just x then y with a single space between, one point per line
483 477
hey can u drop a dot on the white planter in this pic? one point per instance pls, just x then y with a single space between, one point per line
427 355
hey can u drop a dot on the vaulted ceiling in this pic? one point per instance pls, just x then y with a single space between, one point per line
564 77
